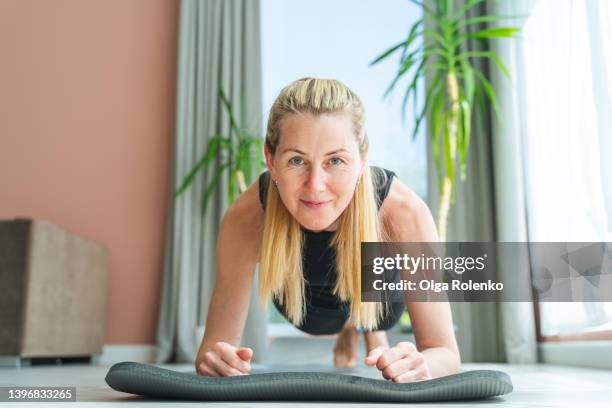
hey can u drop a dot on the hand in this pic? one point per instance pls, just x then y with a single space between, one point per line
225 360
402 363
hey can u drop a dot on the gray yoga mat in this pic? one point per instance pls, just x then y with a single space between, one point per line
302 385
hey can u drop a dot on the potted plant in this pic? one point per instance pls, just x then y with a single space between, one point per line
240 159
436 47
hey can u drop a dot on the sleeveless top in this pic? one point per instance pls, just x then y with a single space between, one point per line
318 265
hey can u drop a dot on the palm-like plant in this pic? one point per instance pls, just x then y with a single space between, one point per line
436 45
241 158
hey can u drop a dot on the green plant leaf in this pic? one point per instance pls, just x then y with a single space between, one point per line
488 88
437 119
495 32
424 7
211 186
467 7
412 35
466 112
412 88
449 166
430 89
487 54
429 51
231 191
403 69
437 108
230 113
250 142
207 157
458 142
487 19
424 67
466 76
482 109
387 53
445 7
442 41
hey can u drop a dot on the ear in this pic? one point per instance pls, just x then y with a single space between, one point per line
269 161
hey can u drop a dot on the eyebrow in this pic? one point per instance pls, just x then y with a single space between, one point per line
289 149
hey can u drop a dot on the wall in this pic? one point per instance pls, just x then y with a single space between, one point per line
86 125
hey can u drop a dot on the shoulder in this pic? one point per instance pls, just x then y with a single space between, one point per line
245 215
406 216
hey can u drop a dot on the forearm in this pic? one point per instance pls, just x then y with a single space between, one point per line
441 361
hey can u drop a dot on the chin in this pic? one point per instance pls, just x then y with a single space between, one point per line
316 225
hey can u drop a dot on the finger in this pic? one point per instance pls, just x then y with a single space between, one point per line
229 355
227 352
397 368
421 373
245 353
374 355
215 362
203 369
403 349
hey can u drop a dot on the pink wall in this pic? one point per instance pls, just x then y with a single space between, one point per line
87 91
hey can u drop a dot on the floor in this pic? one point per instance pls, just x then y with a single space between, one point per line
534 385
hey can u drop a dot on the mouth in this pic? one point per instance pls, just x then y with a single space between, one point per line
314 204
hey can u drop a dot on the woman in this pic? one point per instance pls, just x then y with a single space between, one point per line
303 221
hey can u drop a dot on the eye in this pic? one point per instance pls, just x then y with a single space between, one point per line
296 161
336 161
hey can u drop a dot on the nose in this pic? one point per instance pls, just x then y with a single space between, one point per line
316 181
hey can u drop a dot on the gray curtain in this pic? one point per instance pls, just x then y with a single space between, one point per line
219 45
490 206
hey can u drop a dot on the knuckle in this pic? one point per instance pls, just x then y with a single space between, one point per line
219 346
234 361
231 372
389 373
208 357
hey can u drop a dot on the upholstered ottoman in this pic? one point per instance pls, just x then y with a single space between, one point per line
52 292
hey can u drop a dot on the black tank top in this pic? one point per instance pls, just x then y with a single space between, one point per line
319 266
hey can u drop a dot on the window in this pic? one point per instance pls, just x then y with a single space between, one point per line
568 72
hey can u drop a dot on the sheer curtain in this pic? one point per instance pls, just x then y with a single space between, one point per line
568 137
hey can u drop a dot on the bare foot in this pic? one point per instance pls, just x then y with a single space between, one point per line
375 339
346 348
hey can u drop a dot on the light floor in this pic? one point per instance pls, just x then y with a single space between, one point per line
534 385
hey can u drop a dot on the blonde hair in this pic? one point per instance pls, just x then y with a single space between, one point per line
280 269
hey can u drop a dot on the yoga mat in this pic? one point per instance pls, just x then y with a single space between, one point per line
151 381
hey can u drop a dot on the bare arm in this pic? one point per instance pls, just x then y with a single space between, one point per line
237 253
408 219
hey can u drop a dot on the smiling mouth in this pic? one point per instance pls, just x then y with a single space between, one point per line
314 204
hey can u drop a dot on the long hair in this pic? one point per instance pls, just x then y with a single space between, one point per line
280 267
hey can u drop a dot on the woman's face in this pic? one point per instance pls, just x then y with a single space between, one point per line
317 164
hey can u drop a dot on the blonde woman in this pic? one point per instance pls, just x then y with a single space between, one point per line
303 221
